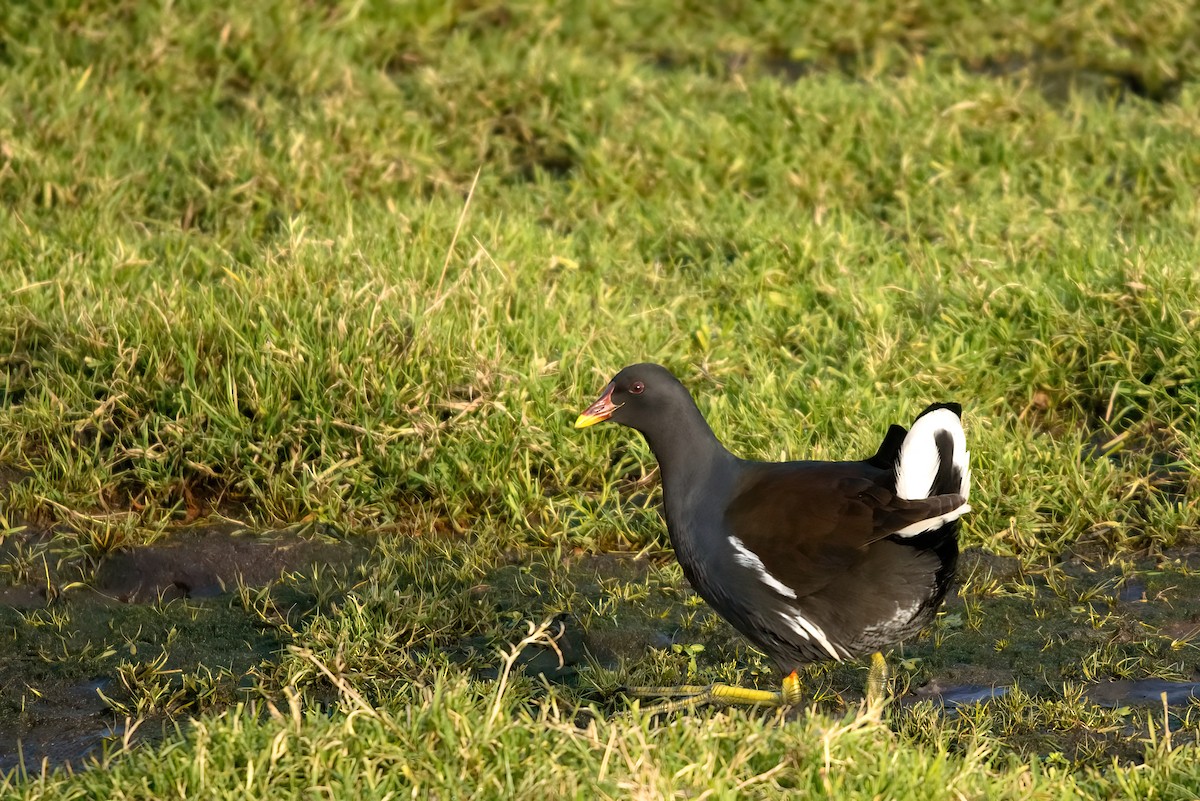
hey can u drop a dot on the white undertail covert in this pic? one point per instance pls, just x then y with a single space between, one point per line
919 462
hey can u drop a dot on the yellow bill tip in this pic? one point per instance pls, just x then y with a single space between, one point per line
599 411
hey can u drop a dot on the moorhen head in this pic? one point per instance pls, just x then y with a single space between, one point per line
810 560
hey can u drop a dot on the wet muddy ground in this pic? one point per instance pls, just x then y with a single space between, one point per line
165 631
1039 646
166 624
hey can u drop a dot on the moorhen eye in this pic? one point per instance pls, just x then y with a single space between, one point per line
811 561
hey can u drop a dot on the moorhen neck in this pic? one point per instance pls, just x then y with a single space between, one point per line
809 560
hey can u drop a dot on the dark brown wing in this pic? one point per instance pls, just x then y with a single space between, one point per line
811 521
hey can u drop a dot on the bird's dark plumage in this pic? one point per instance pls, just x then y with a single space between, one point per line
809 560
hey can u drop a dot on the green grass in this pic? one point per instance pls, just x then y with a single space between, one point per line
359 265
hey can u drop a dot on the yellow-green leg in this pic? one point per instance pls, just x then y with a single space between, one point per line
877 680
690 696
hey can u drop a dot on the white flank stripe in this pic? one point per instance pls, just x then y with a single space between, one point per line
810 631
748 558
921 526
918 463
805 628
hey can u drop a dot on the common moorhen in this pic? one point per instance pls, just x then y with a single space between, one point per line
809 560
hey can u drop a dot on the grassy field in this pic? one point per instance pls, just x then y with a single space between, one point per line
351 270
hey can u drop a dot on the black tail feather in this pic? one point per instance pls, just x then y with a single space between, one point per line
933 407
949 476
889 450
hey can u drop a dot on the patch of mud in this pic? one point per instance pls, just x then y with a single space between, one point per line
1056 75
164 613
23 597
75 723
9 476
975 561
1130 589
209 562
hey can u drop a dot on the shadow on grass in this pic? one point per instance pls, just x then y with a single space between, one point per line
1057 75
1069 659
